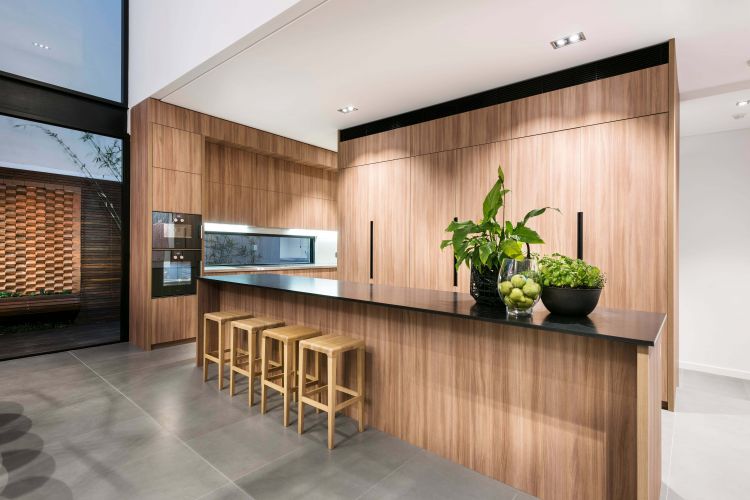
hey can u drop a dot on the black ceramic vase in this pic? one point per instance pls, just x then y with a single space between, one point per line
483 287
570 301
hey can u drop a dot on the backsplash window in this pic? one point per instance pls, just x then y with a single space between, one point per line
230 249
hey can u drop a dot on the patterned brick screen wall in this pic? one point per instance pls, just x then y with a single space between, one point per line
40 237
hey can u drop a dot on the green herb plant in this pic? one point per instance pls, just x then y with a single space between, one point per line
563 272
484 244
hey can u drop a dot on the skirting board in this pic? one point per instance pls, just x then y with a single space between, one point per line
715 370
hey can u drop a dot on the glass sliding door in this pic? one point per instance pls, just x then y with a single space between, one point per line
61 214
64 175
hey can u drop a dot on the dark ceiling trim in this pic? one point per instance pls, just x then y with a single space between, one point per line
589 72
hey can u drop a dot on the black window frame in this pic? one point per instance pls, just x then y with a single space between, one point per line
28 99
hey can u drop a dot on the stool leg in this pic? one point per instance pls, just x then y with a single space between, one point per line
316 357
301 391
205 349
232 359
263 372
287 382
331 399
361 389
220 355
295 370
251 355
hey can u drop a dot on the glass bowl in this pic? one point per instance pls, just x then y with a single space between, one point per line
519 286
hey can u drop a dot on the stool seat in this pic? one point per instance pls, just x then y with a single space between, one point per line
331 345
255 324
291 333
221 316
218 355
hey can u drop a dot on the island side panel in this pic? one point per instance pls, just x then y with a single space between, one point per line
208 301
554 415
649 420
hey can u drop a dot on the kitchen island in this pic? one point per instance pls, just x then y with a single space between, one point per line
560 408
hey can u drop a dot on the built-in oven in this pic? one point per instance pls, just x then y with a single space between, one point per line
172 230
174 272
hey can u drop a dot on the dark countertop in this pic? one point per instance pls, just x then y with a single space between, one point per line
634 327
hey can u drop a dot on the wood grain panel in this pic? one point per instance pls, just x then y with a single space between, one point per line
390 145
324 272
176 191
222 131
389 207
624 179
173 319
649 421
630 95
480 126
176 149
476 173
671 349
551 414
433 206
140 226
545 171
354 224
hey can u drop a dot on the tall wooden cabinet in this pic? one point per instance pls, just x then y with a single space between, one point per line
605 148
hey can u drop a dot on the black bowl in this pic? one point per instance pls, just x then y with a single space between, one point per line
570 301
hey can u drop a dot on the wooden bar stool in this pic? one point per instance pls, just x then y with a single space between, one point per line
289 338
333 347
218 356
245 362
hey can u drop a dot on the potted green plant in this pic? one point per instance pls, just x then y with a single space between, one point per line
483 245
570 287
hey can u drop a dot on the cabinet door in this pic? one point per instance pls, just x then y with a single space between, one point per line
545 171
354 225
173 318
389 209
475 174
176 191
624 185
176 149
433 198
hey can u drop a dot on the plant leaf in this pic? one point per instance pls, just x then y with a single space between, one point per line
537 212
484 252
511 248
527 235
500 174
494 200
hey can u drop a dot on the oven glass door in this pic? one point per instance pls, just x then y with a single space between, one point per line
174 272
175 230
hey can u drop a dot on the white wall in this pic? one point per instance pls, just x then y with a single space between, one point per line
715 252
170 39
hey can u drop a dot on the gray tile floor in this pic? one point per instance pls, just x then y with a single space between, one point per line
115 422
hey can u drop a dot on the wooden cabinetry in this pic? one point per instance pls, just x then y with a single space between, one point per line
624 183
389 210
176 149
354 225
433 206
545 171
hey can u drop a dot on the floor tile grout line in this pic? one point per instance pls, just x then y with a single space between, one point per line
157 422
220 487
389 474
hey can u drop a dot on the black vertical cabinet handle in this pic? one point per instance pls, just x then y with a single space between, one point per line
455 259
372 227
580 236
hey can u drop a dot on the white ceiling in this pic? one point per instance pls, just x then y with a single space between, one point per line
391 56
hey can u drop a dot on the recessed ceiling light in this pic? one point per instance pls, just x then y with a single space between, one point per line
41 46
738 116
743 103
347 109
568 40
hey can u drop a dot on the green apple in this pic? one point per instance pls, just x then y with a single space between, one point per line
531 289
505 288
518 281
